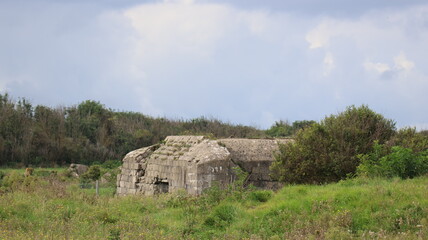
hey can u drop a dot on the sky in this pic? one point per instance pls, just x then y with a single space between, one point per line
250 62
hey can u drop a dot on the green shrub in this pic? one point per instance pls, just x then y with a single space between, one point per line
178 199
93 173
280 129
261 195
213 195
44 173
400 162
284 128
404 163
114 234
327 151
111 164
222 216
410 138
17 181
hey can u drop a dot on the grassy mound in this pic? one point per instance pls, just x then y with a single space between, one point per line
51 207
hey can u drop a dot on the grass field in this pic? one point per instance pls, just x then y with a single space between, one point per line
54 207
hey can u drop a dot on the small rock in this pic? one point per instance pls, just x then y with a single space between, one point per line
77 170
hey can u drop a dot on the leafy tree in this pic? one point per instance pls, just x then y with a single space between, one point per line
298 125
327 151
285 129
89 132
15 130
410 138
280 129
93 173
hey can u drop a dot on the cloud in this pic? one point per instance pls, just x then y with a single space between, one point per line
319 36
189 28
180 1
328 64
377 67
401 66
177 27
240 63
402 63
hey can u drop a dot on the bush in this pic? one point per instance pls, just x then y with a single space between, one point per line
17 181
327 151
261 195
111 164
93 173
401 162
410 138
222 216
285 129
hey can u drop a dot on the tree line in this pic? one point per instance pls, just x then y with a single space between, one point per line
90 133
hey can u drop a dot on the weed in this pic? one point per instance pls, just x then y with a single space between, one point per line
261 195
49 207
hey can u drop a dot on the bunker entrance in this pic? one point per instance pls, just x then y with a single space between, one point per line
161 186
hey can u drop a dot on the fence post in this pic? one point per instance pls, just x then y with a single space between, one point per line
97 188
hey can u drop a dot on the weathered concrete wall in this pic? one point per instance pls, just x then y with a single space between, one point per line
254 156
182 162
194 163
133 168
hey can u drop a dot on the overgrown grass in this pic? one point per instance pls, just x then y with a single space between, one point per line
54 208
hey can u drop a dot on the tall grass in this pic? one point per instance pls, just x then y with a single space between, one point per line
56 208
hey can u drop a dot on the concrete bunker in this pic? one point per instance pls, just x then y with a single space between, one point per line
194 163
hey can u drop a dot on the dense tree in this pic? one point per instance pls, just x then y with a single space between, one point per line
285 129
15 129
89 133
327 151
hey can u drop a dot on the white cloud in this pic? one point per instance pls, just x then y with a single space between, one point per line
189 28
180 1
319 36
328 64
377 67
167 28
402 63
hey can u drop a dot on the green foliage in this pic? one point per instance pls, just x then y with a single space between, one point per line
327 151
285 129
112 164
93 173
280 129
358 208
400 162
404 163
89 132
410 138
114 234
260 195
222 216
404 155
15 181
